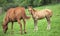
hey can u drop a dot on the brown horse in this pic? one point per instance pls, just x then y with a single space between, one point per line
15 15
36 15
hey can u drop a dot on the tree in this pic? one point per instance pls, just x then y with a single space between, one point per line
3 2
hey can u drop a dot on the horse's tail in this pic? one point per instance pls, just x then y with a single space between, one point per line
27 17
50 12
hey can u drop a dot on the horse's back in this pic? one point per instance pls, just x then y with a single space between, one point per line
48 12
10 14
21 12
43 13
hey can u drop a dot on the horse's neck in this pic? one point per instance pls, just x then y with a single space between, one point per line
33 12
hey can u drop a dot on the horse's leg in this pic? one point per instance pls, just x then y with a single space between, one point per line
24 25
20 25
48 20
35 25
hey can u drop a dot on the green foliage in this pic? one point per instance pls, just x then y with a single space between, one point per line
24 3
37 2
9 1
9 5
3 2
44 2
18 1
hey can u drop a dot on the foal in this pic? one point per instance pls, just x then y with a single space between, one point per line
36 15
15 15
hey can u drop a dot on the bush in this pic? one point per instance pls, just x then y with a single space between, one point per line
37 3
9 5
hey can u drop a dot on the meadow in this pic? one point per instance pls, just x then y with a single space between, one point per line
42 24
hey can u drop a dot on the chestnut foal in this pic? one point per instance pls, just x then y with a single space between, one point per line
15 15
36 15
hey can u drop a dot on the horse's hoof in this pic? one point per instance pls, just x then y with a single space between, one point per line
4 32
21 33
48 28
25 32
35 31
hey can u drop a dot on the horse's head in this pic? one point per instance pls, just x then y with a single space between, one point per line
30 9
5 27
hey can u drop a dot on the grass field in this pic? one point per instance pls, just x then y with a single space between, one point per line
42 24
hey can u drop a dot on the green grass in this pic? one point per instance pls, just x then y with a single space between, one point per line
42 24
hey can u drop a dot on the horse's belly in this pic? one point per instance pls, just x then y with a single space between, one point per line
41 15
12 19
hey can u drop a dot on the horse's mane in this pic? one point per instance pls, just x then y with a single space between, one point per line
34 10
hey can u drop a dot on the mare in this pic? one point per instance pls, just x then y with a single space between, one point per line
15 15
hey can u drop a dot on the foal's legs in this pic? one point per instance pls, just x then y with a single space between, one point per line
20 25
24 25
48 20
35 25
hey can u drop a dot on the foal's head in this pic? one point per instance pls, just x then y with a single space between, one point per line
30 9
